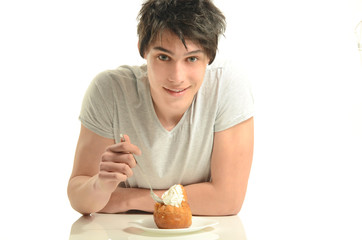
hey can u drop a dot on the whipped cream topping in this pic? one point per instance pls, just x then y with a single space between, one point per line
173 196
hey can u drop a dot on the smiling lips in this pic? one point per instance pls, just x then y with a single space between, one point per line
176 92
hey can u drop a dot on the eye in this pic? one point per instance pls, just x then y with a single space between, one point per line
163 57
192 59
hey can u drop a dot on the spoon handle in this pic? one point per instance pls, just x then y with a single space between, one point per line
153 195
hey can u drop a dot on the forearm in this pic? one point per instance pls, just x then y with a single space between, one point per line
125 199
209 199
203 198
84 195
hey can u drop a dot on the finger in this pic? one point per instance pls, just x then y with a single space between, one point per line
116 167
126 138
112 176
124 147
126 158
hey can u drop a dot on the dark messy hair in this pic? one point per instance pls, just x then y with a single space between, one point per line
199 21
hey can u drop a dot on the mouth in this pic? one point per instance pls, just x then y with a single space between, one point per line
176 91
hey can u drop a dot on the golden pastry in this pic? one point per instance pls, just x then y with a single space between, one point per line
175 212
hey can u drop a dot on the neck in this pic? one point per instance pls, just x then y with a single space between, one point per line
168 118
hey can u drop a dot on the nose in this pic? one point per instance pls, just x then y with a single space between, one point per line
177 72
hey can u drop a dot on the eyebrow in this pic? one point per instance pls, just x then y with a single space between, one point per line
170 52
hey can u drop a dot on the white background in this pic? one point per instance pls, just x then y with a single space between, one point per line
302 60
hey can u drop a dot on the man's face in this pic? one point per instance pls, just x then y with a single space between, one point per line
175 73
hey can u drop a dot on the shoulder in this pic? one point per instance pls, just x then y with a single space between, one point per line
116 81
228 68
234 94
227 74
122 73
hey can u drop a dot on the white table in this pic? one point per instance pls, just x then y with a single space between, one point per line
121 226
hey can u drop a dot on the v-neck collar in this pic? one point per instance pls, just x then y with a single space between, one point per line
155 117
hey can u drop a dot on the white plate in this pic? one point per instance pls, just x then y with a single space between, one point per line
198 223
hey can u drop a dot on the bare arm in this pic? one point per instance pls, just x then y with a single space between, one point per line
224 195
230 167
99 166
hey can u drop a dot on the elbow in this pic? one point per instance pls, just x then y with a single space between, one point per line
81 208
236 209
228 210
76 203
231 200
78 206
232 207
228 206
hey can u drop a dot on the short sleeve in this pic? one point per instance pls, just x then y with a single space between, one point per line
97 106
235 100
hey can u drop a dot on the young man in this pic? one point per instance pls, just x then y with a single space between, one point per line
186 122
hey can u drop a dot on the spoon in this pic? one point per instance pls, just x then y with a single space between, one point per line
153 195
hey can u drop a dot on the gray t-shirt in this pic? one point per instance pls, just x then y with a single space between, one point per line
119 101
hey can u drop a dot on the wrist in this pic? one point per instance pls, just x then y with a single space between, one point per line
103 187
138 199
123 197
